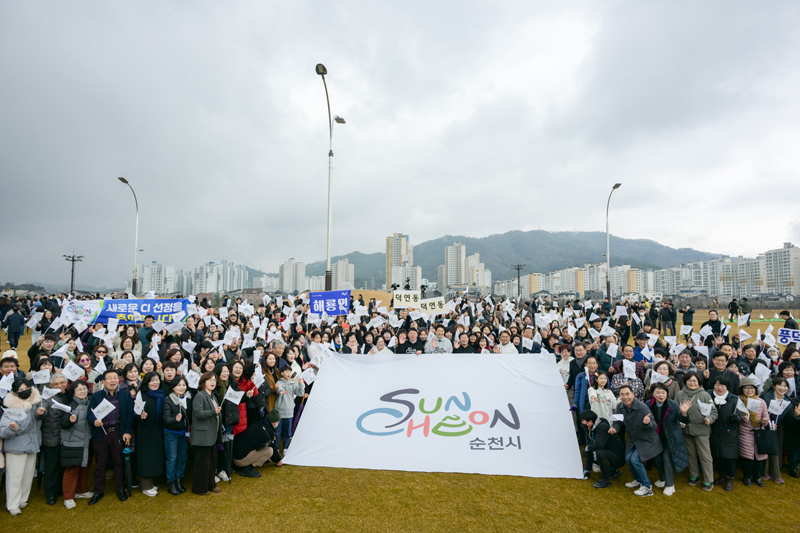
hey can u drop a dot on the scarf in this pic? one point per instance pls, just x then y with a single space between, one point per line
159 396
755 417
222 387
720 400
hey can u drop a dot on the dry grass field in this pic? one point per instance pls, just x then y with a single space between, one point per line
327 499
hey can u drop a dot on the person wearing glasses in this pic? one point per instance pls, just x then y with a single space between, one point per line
84 360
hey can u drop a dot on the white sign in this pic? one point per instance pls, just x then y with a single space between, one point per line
102 410
138 404
777 407
404 299
705 408
476 429
15 414
72 371
48 393
629 369
192 379
432 306
42 377
60 406
233 396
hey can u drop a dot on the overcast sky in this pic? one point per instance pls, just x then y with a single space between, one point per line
463 118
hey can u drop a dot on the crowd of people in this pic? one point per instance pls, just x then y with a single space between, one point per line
224 391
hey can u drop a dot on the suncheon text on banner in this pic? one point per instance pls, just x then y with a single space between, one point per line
439 413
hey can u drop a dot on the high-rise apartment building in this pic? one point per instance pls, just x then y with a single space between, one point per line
399 252
344 275
292 276
782 270
455 264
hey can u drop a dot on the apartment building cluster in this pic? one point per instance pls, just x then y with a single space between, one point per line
773 273
214 278
400 269
461 271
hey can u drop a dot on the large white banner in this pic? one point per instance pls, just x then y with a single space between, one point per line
499 414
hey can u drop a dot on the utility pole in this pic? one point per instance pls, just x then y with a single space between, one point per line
518 268
73 259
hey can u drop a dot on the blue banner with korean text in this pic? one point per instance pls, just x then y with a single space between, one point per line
131 311
332 303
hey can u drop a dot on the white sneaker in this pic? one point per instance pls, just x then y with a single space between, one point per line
150 492
669 491
15 512
216 479
660 484
83 495
69 504
632 484
644 491
596 468
223 475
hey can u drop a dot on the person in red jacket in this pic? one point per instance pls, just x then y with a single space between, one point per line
244 384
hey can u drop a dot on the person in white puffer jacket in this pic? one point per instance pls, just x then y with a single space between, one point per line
20 429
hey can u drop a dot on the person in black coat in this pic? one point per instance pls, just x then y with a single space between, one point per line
724 440
643 440
177 419
790 323
110 434
603 448
716 328
150 434
15 326
675 457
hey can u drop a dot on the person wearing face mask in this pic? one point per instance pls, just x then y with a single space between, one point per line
19 428
675 458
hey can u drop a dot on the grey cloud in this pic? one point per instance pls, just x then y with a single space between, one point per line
467 119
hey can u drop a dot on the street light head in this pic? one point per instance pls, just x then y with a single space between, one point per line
338 119
123 180
617 186
321 70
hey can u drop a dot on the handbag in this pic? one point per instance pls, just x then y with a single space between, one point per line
766 441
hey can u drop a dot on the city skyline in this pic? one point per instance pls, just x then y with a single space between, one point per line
555 104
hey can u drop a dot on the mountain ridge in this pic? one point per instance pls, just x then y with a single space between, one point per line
541 251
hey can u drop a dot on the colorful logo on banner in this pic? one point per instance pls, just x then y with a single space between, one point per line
82 310
332 303
126 311
457 419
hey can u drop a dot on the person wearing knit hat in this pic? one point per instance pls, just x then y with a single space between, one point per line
755 417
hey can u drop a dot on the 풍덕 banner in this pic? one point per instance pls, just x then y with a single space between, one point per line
471 413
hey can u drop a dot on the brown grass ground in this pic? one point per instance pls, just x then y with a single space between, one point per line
328 499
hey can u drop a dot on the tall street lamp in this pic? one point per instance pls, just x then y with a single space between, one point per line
73 259
321 70
135 235
608 244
